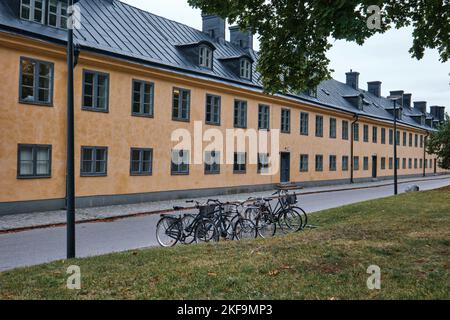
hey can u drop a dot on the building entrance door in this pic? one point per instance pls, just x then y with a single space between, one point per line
285 167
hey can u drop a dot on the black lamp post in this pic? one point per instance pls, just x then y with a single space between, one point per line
395 98
70 179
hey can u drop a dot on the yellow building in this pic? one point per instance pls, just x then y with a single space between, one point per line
140 77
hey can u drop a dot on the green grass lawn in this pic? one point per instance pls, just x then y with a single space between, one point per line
408 237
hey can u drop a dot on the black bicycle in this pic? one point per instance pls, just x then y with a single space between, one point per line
188 228
230 223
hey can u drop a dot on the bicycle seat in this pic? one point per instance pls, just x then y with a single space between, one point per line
268 199
178 208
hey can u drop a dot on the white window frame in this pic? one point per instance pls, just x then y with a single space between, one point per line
246 69
58 14
32 8
205 57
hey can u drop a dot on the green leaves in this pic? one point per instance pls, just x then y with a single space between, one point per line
439 144
295 34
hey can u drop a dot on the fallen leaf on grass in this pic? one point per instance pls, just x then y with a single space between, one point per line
274 273
212 274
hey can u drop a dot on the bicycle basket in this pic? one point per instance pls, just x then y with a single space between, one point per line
207 210
290 199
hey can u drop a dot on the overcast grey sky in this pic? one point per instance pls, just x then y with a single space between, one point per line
384 57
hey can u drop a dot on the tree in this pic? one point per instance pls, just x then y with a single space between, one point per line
295 34
439 144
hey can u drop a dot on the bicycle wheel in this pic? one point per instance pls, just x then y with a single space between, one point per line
290 221
206 231
168 232
245 229
266 227
304 216
251 214
188 229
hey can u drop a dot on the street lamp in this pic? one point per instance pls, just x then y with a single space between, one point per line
70 179
395 99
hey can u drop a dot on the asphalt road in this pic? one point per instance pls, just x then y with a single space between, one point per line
45 245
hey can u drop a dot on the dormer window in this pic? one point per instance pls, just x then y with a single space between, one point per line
246 69
50 12
57 13
205 57
32 10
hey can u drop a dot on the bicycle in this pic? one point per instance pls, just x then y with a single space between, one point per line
186 229
230 223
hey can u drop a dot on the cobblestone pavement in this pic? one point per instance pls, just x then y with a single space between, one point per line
36 219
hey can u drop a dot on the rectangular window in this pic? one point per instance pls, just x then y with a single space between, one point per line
391 163
421 163
374 134
57 13
345 163
410 163
431 163
344 130
263 163
240 114
366 133
304 163
356 132
263 117
304 124
94 161
410 139
141 162
415 164
404 163
180 162
240 162
32 10
398 163
95 91
36 81
333 163
181 104
366 163
34 161
143 97
383 163
383 136
332 128
416 140
355 163
426 164
398 138
285 120
319 163
404 139
421 141
391 136
205 57
319 126
212 162
213 109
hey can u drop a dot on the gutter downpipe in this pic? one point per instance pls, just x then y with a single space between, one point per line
356 117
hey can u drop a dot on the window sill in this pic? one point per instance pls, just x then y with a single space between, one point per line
141 174
33 177
38 104
218 124
93 175
239 172
137 115
212 173
179 174
181 120
94 110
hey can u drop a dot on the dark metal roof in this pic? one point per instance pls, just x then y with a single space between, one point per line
115 28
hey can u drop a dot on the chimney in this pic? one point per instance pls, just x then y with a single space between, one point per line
438 113
407 97
421 106
214 26
353 79
374 88
243 39
398 93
